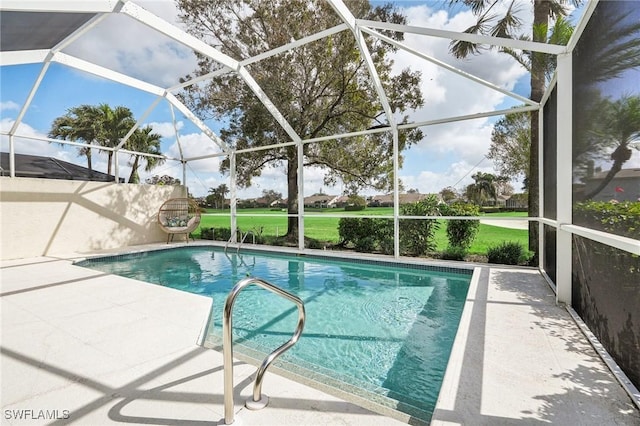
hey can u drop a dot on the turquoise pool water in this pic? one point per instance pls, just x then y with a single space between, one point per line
383 331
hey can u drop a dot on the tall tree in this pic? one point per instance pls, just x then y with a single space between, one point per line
76 125
510 145
144 141
94 124
218 195
484 188
162 180
322 88
609 48
113 125
448 194
507 25
270 195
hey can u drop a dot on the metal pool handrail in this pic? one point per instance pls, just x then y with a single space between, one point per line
244 238
257 402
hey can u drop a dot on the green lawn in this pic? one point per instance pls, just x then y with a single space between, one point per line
274 223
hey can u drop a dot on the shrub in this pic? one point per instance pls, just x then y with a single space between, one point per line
366 234
312 243
206 233
621 218
365 245
351 229
384 235
417 235
355 203
461 233
222 234
507 253
454 253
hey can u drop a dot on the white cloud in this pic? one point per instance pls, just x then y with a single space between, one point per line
28 146
9 105
137 50
462 144
166 129
458 174
197 145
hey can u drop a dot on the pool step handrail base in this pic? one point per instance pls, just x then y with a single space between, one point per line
257 405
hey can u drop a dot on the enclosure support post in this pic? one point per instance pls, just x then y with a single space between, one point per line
232 190
564 175
300 195
116 167
12 157
396 196
541 188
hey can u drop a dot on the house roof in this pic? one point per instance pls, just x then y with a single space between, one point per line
404 198
35 166
622 174
318 198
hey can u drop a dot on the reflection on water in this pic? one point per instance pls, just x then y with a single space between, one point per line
386 330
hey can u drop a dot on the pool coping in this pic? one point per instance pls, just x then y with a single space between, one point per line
593 397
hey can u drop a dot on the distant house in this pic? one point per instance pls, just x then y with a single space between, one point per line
517 201
340 201
318 200
499 201
35 166
281 203
387 199
625 185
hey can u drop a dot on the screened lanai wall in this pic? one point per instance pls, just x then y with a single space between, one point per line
591 238
594 267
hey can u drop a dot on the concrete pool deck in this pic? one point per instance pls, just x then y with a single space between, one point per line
89 348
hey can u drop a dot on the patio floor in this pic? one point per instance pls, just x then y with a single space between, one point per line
82 347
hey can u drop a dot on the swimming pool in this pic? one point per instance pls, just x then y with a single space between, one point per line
382 331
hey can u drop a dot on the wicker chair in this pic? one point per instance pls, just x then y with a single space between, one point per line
178 216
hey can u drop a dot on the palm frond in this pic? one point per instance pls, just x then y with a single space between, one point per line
509 22
461 49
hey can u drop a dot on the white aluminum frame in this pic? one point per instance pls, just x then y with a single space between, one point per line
102 8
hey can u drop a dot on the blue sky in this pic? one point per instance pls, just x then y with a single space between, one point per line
446 155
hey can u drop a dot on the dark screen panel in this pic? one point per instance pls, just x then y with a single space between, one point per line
606 86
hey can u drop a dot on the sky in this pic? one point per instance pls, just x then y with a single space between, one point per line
447 156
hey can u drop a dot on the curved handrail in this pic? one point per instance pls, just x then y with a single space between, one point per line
227 344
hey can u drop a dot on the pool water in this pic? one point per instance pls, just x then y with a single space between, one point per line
383 330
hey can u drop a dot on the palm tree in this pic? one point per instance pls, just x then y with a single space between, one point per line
484 188
620 128
612 48
113 125
91 124
143 141
489 23
77 125
217 195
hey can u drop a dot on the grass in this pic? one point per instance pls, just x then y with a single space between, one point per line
274 223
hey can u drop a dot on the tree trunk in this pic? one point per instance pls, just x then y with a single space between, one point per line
133 178
292 197
89 162
540 17
109 158
620 156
